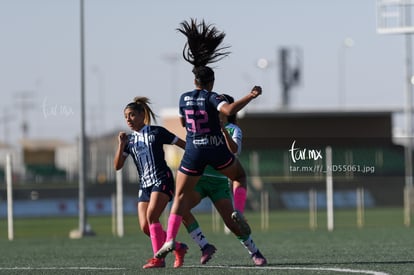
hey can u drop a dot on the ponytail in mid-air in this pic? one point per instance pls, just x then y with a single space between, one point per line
202 48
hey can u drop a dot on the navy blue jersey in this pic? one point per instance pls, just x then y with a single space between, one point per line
146 149
200 110
205 143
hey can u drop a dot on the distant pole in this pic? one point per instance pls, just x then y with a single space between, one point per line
285 77
313 209
394 17
119 205
408 111
290 63
346 44
173 59
113 204
360 206
264 210
329 190
82 139
101 95
408 121
9 183
24 101
6 119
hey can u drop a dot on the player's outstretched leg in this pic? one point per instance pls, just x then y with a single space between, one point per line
238 217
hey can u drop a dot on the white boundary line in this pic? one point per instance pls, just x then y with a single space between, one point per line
334 269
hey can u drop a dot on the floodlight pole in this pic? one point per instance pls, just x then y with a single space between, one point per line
82 138
408 112
173 59
346 44
394 17
408 149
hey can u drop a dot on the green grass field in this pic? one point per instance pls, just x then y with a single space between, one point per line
382 246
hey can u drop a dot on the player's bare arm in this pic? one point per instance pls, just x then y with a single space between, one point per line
119 158
231 109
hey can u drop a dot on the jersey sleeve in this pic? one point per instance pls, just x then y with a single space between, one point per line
217 100
167 136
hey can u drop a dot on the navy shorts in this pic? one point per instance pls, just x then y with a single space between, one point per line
166 187
195 159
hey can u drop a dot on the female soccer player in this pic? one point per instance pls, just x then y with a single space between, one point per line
215 186
199 111
145 145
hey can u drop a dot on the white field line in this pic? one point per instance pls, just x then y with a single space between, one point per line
332 269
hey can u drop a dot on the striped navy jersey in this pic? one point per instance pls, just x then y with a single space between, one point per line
146 149
200 110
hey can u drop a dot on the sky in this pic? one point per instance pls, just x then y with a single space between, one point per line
132 48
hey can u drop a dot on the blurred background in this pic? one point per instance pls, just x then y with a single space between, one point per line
329 78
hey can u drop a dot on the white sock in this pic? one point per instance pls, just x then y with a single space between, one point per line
198 236
249 245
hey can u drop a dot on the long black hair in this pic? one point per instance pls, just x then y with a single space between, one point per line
202 48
